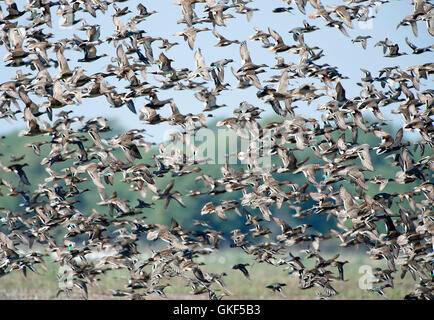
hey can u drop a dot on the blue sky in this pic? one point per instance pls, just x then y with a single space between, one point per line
339 51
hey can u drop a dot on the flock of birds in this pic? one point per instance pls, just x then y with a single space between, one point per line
337 181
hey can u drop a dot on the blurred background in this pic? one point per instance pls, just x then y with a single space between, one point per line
339 51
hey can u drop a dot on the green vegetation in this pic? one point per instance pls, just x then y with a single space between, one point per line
44 285
15 145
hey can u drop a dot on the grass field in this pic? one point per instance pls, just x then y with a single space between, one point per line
44 285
